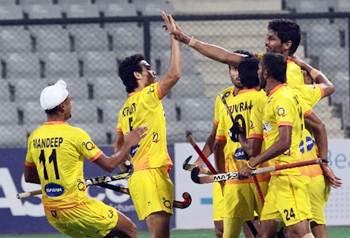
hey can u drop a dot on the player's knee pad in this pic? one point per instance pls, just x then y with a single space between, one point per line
309 235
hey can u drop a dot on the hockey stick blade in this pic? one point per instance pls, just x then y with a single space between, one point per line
176 204
186 165
185 203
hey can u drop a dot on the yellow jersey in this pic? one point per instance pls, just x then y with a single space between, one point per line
284 108
144 108
57 150
294 75
218 103
240 107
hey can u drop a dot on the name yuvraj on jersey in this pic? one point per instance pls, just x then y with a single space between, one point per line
40 143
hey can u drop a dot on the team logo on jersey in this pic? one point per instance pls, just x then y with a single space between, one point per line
240 154
281 111
89 145
53 190
81 185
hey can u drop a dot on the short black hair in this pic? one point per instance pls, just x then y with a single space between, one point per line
286 30
126 71
53 111
248 72
276 66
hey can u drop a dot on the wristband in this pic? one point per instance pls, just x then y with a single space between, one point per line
324 161
249 166
192 42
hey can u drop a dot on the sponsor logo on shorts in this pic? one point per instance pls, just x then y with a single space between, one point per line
54 190
81 185
167 203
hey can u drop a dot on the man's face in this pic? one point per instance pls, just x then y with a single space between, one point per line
147 73
262 79
233 72
273 44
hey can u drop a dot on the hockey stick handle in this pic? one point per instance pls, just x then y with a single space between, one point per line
28 194
88 182
286 166
200 153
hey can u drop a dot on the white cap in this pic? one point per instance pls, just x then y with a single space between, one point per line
53 95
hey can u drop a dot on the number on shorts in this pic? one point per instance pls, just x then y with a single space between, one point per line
289 214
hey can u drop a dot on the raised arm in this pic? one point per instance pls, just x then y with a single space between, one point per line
169 79
317 76
211 51
109 163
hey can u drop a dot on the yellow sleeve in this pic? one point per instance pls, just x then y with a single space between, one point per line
256 122
295 76
87 147
29 159
217 109
221 130
311 94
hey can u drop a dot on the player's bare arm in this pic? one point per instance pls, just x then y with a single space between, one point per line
316 75
211 51
31 175
169 79
109 163
219 155
280 146
318 129
252 146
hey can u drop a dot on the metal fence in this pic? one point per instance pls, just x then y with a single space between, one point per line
85 53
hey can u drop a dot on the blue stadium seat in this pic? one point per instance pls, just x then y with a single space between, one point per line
108 87
4 91
169 109
13 136
90 39
33 113
118 9
15 41
126 36
110 111
77 87
52 40
43 11
9 115
97 132
99 63
8 12
20 65
61 64
84 111
195 108
82 10
27 89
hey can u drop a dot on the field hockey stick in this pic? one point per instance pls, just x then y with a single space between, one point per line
235 175
176 204
188 167
200 153
88 182
255 180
